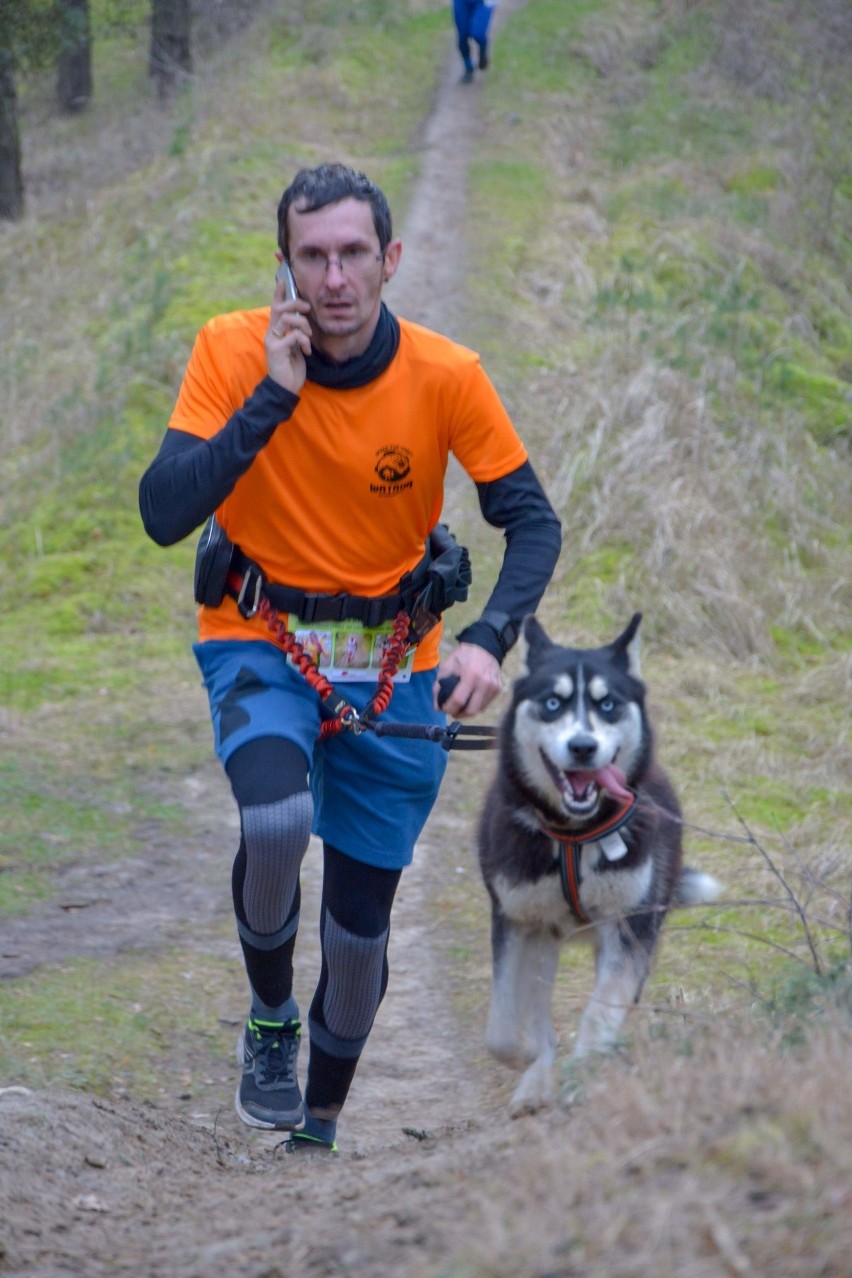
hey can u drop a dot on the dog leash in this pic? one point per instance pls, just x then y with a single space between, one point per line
455 736
338 715
452 736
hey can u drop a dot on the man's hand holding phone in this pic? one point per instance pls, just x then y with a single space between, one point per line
288 338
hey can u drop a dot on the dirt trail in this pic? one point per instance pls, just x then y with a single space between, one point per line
428 288
112 1188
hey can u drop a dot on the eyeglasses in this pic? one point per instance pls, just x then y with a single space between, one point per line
356 259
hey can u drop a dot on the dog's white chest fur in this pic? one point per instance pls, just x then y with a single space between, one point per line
605 894
537 906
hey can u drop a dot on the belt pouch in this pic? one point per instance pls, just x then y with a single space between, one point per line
212 564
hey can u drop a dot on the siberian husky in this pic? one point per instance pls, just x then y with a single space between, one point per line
579 837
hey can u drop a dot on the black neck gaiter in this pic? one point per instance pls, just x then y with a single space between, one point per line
361 369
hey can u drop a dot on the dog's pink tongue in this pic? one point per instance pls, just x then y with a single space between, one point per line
613 780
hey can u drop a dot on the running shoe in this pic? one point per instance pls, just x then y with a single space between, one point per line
268 1094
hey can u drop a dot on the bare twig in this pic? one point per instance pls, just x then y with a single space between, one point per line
818 967
220 1157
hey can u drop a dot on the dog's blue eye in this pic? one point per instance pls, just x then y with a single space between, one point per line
607 706
553 705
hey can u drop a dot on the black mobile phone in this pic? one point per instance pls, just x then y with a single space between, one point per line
284 273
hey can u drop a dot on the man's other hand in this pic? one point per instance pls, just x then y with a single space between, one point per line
478 681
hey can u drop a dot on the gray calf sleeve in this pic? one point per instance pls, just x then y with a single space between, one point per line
276 836
354 988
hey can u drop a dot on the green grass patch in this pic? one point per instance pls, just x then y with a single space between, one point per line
505 212
825 402
215 273
540 54
115 1031
581 606
56 815
802 650
772 804
653 198
756 180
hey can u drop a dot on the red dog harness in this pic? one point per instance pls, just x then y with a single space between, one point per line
571 850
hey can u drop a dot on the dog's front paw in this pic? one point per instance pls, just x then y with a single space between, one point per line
504 1050
505 1041
534 1091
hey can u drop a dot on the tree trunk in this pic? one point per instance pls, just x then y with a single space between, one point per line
171 58
74 65
11 182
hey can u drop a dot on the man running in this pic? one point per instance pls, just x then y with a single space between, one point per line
318 431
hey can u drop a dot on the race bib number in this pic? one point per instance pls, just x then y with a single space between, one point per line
348 652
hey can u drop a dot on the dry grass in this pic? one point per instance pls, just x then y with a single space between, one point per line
639 455
676 1170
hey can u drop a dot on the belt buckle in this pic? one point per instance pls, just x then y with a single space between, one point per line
421 620
251 578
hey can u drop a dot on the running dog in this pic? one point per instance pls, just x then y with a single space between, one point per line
579 837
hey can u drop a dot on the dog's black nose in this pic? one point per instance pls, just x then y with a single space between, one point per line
582 747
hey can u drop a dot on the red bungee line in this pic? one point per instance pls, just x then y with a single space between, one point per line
392 657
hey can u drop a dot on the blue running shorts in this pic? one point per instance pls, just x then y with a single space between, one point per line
371 794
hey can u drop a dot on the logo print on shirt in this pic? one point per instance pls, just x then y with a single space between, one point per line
393 466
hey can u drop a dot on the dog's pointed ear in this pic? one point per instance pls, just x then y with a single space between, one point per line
533 642
627 644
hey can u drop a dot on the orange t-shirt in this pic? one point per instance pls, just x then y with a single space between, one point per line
347 490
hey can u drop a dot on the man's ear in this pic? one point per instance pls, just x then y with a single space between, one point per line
393 253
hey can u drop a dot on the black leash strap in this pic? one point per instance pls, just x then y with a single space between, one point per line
452 737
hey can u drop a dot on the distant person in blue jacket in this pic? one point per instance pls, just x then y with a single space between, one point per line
472 19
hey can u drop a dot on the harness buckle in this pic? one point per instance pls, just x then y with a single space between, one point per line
252 582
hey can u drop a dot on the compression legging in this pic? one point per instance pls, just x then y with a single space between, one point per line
269 780
355 929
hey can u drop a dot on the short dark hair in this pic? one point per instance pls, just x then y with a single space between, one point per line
327 184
